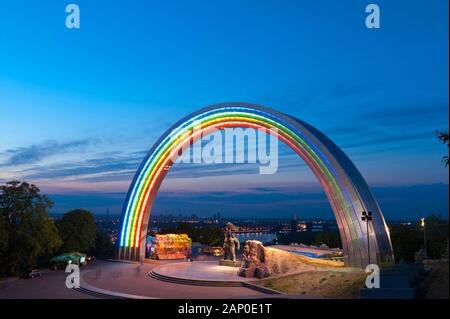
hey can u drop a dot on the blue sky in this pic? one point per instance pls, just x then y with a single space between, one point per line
80 108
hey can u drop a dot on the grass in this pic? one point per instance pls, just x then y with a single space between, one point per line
282 262
328 284
436 285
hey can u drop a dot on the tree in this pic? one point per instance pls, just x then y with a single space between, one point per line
443 137
28 236
331 239
104 247
306 238
406 241
212 236
77 229
3 235
207 235
436 231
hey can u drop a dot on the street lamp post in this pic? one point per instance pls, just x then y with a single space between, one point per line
367 217
422 223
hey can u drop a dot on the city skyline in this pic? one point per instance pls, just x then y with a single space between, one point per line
379 94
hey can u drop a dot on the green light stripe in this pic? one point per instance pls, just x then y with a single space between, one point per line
134 216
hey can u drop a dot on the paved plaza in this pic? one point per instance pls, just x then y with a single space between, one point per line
127 279
201 270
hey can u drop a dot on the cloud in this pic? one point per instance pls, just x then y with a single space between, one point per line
264 189
35 153
387 126
389 139
397 203
408 115
110 166
372 123
366 140
122 165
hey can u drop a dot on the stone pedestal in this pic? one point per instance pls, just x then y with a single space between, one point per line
255 263
261 272
246 272
230 263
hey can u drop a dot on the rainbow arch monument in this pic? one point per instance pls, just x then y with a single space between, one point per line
345 188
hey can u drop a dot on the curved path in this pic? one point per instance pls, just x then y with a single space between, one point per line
130 280
201 270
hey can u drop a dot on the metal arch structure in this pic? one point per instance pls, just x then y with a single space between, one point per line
345 188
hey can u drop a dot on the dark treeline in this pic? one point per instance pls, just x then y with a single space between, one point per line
206 235
29 237
409 239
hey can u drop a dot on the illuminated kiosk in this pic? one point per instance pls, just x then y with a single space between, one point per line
347 191
168 246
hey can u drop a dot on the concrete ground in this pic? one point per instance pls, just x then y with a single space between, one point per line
133 279
124 278
201 270
50 286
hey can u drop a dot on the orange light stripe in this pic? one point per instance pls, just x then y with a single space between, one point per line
155 175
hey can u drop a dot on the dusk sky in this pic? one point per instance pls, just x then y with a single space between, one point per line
79 109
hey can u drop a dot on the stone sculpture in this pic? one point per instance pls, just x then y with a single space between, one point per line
254 260
230 246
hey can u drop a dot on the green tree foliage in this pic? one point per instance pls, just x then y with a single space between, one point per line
207 235
3 235
436 233
443 137
104 248
27 234
331 239
213 236
406 241
77 229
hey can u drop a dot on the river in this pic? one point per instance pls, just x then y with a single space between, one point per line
262 237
